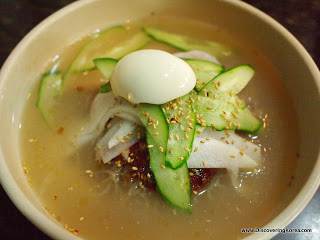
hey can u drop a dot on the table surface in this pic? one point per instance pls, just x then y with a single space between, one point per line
18 17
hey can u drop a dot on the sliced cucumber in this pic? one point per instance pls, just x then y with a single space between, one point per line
222 114
106 45
50 88
186 43
173 185
154 121
231 81
106 66
181 130
204 70
105 88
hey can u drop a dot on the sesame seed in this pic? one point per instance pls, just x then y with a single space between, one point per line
180 158
256 149
195 192
156 134
154 126
241 151
209 108
150 146
233 141
148 175
186 135
202 141
191 174
163 110
117 137
128 96
81 219
187 149
134 168
196 149
234 115
163 166
161 149
122 141
170 151
141 185
208 138
204 164
176 137
232 156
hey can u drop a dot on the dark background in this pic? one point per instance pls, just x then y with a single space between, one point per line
18 17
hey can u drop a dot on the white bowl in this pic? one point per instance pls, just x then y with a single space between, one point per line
28 60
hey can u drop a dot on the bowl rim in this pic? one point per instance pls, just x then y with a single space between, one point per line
53 230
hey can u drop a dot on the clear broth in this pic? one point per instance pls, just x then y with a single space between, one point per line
98 207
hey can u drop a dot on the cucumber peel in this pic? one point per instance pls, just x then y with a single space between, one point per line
50 87
231 81
173 185
181 130
97 47
106 66
154 121
104 45
222 115
185 43
205 71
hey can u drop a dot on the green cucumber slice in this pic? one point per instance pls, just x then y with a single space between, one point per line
204 71
173 185
50 88
106 45
154 121
222 114
186 43
106 66
231 81
178 113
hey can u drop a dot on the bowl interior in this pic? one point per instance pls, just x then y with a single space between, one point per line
28 61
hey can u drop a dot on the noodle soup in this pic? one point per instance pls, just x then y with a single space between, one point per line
93 200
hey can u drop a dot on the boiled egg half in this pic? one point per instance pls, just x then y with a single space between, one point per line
152 76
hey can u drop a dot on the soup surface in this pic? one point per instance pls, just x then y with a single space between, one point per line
92 201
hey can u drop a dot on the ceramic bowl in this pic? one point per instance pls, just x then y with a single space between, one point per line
28 60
